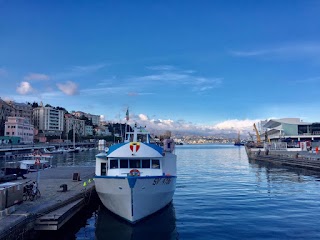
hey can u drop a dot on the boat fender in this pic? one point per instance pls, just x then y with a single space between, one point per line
134 172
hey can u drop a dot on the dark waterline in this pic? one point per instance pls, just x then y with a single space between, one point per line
219 195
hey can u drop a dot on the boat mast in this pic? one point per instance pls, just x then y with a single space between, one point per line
126 135
74 136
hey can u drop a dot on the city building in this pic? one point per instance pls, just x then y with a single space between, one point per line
95 119
290 129
49 120
5 111
72 123
88 130
20 127
21 110
102 131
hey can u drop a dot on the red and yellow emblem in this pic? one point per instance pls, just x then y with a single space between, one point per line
134 146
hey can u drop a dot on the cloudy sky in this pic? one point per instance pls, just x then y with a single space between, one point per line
189 65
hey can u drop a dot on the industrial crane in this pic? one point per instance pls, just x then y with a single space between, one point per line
257 133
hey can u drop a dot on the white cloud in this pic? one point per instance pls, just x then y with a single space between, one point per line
162 67
88 68
68 88
225 127
164 77
185 77
236 124
249 53
143 117
25 88
297 50
79 71
36 76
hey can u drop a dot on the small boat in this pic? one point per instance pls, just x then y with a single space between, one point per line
53 151
29 163
136 178
33 162
238 141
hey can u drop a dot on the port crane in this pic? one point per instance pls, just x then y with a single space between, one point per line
257 133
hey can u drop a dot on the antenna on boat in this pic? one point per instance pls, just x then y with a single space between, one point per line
126 137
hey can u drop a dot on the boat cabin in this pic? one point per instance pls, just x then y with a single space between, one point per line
136 157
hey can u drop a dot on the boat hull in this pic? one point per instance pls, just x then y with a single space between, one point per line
134 198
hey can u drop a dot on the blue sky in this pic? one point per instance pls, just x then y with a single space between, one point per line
206 65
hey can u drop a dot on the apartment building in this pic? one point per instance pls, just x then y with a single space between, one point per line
95 119
5 112
73 123
49 120
21 110
88 130
20 127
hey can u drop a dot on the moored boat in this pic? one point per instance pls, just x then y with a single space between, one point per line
136 178
33 162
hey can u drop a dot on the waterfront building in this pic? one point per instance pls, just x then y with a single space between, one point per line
95 119
290 129
88 130
20 127
72 123
49 120
102 131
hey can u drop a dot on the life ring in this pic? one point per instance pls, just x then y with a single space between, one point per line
134 172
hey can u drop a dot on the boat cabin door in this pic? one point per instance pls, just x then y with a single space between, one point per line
103 169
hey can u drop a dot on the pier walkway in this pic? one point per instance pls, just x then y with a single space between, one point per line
301 159
52 198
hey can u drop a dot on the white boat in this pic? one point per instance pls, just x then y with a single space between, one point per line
32 162
136 178
53 151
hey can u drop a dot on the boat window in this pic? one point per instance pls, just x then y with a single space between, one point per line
114 164
141 137
146 163
103 169
155 163
135 163
124 163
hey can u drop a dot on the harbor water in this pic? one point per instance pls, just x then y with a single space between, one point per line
220 195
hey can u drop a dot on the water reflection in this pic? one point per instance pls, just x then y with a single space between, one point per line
278 179
162 225
276 172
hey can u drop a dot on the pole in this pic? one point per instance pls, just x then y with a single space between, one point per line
74 136
38 175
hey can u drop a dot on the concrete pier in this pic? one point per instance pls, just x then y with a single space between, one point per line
301 159
31 214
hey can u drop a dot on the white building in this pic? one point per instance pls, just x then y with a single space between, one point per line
20 127
49 120
291 128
